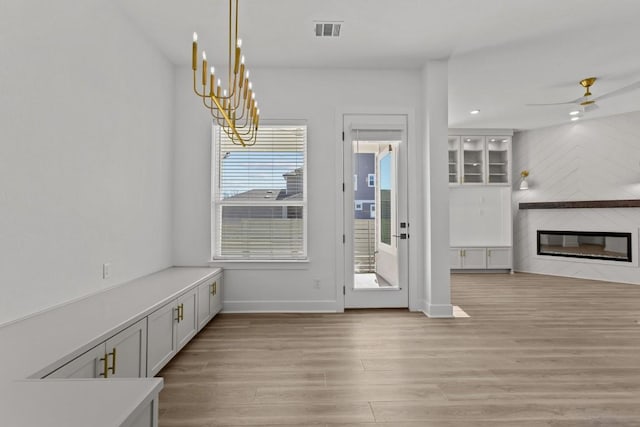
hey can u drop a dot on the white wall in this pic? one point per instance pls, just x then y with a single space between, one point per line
587 160
86 128
314 95
435 191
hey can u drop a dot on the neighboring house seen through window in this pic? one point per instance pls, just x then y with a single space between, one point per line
259 206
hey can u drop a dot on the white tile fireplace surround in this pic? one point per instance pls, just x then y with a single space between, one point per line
529 222
590 160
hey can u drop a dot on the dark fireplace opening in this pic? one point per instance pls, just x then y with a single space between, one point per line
610 246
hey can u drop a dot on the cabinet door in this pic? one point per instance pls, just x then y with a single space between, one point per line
87 365
161 343
454 160
186 323
498 159
127 352
474 258
216 296
473 159
499 258
455 258
205 292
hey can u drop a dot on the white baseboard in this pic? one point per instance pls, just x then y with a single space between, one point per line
438 310
280 307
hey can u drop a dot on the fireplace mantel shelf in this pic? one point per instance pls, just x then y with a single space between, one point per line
583 204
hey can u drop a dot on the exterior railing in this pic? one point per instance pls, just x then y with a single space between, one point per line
364 245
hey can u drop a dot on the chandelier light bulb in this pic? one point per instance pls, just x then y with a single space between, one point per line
224 92
204 55
250 86
239 43
213 70
247 74
253 96
195 36
218 83
242 59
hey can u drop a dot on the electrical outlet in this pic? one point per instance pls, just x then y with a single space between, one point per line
106 270
316 284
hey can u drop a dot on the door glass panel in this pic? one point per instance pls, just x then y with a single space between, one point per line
385 199
473 154
498 153
454 149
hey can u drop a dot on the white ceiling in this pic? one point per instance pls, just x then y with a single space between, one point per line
502 53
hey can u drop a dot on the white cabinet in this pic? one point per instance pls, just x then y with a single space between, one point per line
121 356
498 160
473 154
468 258
186 321
169 329
478 258
209 300
499 258
479 160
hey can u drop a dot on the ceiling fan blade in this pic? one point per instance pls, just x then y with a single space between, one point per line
617 92
575 101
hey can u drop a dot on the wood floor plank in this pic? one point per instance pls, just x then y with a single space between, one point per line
536 351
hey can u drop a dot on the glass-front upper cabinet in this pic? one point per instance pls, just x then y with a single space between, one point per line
473 148
454 156
498 156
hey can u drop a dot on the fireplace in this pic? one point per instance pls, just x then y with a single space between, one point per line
610 246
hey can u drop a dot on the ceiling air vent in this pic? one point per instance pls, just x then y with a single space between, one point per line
328 29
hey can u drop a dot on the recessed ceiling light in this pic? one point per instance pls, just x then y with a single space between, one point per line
474 112
574 113
573 119
468 140
493 140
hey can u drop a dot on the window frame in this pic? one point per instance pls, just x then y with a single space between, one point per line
371 180
216 205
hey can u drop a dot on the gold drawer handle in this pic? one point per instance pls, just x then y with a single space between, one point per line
105 366
113 359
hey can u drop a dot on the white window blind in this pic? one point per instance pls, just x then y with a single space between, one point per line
259 195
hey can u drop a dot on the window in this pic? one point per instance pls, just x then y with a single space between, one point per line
358 206
372 211
385 199
371 179
259 206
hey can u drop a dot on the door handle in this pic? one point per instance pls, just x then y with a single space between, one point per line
402 236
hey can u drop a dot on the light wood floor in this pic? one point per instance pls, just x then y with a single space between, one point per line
537 351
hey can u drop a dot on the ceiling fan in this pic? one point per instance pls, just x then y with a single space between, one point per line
586 101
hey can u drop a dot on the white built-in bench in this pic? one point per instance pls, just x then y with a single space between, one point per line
91 362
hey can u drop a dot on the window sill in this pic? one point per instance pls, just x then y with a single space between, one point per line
257 264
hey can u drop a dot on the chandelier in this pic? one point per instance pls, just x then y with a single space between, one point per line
234 109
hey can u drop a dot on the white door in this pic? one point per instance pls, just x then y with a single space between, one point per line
375 211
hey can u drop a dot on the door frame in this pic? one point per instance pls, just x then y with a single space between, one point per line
415 203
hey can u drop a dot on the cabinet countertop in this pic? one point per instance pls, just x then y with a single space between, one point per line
75 403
